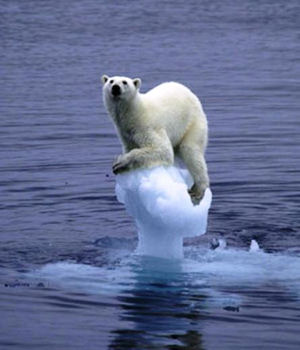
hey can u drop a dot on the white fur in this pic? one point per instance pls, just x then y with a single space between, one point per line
154 126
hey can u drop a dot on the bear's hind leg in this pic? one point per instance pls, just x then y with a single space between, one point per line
193 157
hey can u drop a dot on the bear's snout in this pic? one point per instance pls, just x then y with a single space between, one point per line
116 90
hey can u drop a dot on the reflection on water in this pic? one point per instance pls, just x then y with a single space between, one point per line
176 302
157 307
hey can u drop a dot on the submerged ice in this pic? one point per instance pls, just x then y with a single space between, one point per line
220 274
158 201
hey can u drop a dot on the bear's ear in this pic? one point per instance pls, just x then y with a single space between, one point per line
104 78
137 82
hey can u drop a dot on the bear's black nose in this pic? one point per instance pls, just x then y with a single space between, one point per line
116 90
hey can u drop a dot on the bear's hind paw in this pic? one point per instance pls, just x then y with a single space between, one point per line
196 196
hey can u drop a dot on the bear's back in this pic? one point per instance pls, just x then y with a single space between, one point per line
173 107
171 98
168 90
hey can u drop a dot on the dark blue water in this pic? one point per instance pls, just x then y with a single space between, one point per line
68 279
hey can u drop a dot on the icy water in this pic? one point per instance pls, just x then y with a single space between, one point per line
68 275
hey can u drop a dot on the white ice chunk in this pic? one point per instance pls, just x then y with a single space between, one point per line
254 247
220 243
158 200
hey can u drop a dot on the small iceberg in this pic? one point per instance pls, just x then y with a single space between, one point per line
254 247
158 200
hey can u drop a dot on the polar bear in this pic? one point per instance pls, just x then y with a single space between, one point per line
154 127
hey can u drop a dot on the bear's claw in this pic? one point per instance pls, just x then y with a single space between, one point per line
119 166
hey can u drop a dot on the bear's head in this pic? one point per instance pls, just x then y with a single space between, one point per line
120 88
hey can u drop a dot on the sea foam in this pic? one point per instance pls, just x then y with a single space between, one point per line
158 200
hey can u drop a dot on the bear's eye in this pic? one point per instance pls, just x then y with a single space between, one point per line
111 81
124 82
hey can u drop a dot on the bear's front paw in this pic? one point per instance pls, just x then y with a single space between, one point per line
120 165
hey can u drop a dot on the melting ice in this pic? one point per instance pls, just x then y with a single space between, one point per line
158 201
211 270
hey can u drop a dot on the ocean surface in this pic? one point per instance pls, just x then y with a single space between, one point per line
69 278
